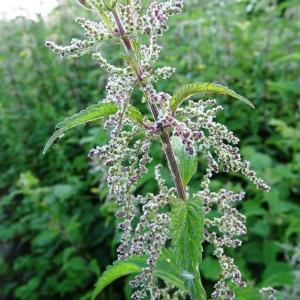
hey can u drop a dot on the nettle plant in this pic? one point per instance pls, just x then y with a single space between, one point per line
163 233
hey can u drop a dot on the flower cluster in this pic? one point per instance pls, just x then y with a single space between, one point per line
95 31
218 143
125 165
76 49
154 238
155 22
230 224
144 219
163 73
216 147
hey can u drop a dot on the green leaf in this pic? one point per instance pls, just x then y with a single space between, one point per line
293 228
261 228
187 231
92 113
189 90
117 270
270 250
187 237
134 114
277 274
210 268
45 238
246 293
165 269
281 86
187 164
288 58
251 293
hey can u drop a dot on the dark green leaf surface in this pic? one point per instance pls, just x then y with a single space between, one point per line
187 234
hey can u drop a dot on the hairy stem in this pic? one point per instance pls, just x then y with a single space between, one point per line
181 191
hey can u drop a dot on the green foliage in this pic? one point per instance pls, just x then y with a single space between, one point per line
52 210
192 89
247 293
187 164
165 269
92 113
276 274
119 269
134 114
187 238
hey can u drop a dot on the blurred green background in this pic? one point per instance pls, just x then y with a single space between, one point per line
57 225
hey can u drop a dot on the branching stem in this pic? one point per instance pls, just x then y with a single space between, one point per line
181 191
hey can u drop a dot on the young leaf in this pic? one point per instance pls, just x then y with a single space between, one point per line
187 164
117 270
134 114
165 269
189 90
187 237
92 113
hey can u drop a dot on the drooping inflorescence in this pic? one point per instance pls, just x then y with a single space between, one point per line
144 220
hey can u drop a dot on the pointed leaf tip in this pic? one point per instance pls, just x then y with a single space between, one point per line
189 90
91 113
165 269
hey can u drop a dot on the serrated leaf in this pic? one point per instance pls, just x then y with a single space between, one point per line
117 270
187 238
92 113
165 269
188 231
189 90
187 164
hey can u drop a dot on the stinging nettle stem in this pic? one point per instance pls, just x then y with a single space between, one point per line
181 191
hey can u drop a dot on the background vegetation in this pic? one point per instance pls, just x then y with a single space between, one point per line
57 227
